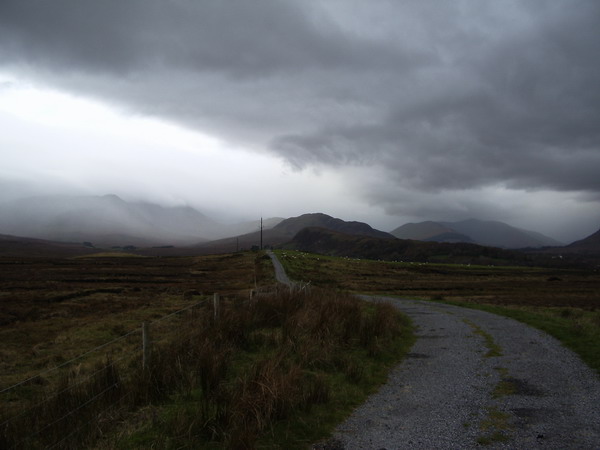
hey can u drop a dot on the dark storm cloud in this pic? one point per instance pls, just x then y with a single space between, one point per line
237 38
523 111
245 70
453 95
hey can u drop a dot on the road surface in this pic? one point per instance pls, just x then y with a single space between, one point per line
476 380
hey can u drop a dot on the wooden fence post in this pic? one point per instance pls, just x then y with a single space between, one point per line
146 346
216 306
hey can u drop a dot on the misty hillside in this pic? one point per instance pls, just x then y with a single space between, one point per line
333 243
252 226
17 247
420 231
107 221
590 244
489 233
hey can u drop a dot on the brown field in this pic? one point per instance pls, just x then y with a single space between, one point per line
282 368
523 286
562 302
52 310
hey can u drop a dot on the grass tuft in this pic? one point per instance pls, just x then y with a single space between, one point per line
280 370
494 350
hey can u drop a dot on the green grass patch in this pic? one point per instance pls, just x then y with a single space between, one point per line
493 348
505 386
495 427
529 286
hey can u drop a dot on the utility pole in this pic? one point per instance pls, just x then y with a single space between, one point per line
261 228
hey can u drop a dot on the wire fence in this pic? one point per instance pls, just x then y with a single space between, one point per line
79 399
53 408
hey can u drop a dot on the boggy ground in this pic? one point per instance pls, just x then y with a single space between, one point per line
52 309
563 302
523 286
282 367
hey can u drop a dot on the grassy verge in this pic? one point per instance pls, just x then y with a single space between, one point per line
280 372
562 302
528 286
576 328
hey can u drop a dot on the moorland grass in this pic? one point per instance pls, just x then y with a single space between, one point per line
565 303
110 255
278 371
53 309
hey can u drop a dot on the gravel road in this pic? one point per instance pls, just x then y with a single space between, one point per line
280 274
477 380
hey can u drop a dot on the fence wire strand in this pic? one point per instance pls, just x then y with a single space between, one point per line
60 366
68 388
37 433
128 353
55 445
176 312
100 347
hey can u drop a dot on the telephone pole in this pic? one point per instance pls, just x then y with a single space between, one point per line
261 228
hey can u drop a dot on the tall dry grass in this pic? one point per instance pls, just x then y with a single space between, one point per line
228 381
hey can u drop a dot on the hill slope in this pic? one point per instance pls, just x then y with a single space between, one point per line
590 244
108 220
490 233
15 246
420 231
288 228
293 225
319 240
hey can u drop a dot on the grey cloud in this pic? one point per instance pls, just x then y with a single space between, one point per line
238 38
524 112
248 71
443 96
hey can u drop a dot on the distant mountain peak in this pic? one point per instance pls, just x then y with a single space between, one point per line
106 220
112 197
483 232
588 244
293 225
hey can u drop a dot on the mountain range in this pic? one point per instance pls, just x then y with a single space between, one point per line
589 245
334 243
285 230
482 232
16 246
110 221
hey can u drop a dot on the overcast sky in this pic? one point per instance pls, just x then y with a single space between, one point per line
379 111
